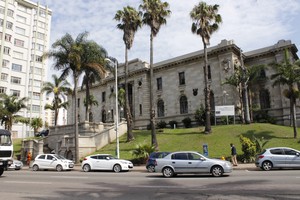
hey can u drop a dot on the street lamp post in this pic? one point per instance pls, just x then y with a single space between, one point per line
117 110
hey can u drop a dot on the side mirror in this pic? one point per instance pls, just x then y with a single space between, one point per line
297 154
202 159
107 158
54 159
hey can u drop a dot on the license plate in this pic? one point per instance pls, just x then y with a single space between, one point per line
71 165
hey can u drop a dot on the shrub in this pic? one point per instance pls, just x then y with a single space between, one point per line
200 116
187 122
161 124
172 123
249 149
142 151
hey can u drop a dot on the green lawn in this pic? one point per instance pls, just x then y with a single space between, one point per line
218 141
194 138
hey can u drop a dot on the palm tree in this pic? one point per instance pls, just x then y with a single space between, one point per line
206 22
288 73
155 14
130 21
92 101
11 106
94 69
68 55
60 89
36 123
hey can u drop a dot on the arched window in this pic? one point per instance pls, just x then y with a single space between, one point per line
183 105
103 116
264 99
160 108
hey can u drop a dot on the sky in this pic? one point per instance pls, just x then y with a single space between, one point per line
251 24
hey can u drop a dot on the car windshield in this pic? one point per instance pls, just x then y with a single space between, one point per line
5 140
60 157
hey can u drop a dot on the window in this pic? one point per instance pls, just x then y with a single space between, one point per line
160 108
180 156
38 46
181 78
141 109
193 156
5 63
15 93
9 25
49 157
16 67
4 77
264 98
19 43
2 10
290 152
36 58
36 83
6 50
18 55
42 157
15 80
7 37
276 151
159 83
183 105
208 72
21 19
10 12
78 102
2 90
103 96
36 95
40 24
39 35
20 31
35 108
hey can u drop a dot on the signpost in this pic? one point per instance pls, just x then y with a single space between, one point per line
224 111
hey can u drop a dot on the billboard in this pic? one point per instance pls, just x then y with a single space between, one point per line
224 110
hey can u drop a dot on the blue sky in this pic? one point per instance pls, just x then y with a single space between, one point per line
252 24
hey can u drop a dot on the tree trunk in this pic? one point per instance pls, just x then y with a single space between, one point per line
152 111
206 92
245 92
87 101
130 136
76 120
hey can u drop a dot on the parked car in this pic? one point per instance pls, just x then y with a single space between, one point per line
16 165
191 162
278 157
52 161
150 165
105 162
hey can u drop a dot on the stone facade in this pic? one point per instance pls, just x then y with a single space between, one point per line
178 85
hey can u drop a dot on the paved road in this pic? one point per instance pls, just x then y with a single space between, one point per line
241 184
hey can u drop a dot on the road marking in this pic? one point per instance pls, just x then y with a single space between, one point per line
27 182
71 177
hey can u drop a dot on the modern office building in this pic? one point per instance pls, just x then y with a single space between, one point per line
24 36
179 85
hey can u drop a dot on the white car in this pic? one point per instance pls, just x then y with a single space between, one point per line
52 161
105 162
16 165
190 162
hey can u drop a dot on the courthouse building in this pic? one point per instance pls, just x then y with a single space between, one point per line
178 85
24 36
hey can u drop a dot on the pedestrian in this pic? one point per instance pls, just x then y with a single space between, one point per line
28 158
233 155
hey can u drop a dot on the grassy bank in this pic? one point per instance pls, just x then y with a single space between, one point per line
218 141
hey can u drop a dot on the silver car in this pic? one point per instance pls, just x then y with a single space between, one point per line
278 157
191 162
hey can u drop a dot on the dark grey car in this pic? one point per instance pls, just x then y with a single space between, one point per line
278 157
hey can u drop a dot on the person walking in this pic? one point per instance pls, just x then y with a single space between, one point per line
233 155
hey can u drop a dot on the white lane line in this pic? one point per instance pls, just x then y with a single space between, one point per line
70 177
27 182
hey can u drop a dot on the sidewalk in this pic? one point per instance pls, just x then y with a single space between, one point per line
142 168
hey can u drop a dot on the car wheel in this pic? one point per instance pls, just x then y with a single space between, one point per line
168 172
217 171
267 165
151 168
86 168
1 171
117 168
35 167
59 168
